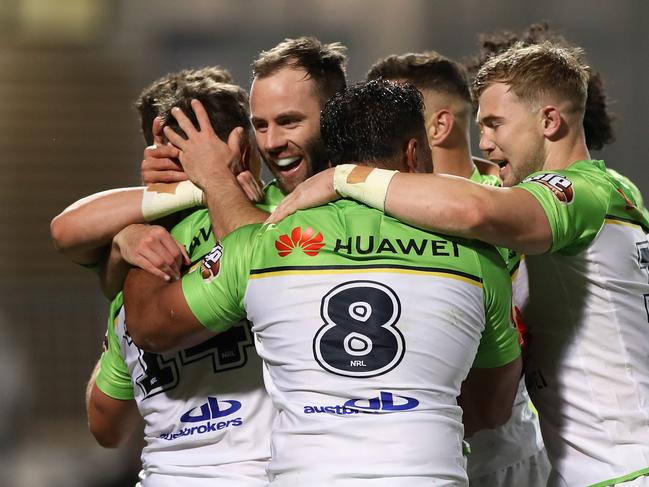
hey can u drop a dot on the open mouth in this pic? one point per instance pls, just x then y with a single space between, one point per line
288 163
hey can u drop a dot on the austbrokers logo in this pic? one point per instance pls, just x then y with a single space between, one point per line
309 243
385 402
212 409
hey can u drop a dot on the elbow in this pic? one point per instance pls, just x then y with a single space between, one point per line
107 438
58 233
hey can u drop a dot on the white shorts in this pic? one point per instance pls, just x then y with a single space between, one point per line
531 472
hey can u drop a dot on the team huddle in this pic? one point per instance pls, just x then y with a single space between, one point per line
389 310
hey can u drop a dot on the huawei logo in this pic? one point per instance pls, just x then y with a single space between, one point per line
309 243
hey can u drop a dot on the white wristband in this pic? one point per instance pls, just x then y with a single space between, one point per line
362 183
162 199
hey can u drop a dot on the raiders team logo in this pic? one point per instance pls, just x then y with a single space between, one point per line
560 186
211 266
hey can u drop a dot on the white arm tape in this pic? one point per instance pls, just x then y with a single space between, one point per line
371 190
162 199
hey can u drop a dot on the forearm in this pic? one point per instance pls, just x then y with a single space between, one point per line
111 421
82 231
487 396
229 206
506 217
112 272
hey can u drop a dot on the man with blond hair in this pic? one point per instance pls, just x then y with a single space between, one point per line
588 257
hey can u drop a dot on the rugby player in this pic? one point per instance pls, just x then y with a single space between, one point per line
314 82
367 326
587 256
509 454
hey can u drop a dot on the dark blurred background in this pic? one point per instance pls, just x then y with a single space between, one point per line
69 72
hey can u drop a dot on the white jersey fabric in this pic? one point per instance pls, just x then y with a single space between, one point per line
207 415
586 306
367 328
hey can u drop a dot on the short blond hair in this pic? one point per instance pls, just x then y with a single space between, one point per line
535 72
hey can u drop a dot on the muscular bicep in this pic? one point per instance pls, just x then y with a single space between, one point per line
157 315
514 219
506 217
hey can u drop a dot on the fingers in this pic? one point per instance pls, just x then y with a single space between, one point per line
284 209
152 248
150 177
155 252
155 170
185 255
159 165
250 186
234 141
158 138
203 118
174 137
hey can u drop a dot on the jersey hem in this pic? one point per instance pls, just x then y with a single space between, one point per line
624 478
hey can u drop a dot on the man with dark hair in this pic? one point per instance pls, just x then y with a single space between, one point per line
509 454
367 326
147 104
207 415
586 251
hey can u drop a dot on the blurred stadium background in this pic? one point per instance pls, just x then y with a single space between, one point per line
69 72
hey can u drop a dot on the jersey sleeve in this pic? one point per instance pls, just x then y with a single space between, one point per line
113 378
499 342
575 204
215 290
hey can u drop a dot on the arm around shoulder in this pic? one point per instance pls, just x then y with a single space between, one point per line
157 314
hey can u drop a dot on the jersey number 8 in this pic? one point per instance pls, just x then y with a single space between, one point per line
360 337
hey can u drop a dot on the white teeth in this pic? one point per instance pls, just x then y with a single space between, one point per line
287 161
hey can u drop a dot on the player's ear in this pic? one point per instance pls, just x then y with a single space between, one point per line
551 121
411 154
439 127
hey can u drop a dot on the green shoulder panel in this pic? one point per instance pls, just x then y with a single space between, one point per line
499 344
627 203
113 378
214 290
195 231
272 197
485 179
575 200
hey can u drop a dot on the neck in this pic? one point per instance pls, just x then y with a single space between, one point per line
455 161
562 154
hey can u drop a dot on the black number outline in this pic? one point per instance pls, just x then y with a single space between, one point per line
389 326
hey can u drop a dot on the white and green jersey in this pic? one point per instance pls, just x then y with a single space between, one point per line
585 304
207 415
367 328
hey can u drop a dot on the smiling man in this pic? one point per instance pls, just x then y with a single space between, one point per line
588 257
291 84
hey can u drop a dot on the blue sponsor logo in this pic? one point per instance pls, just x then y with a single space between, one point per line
212 409
385 402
